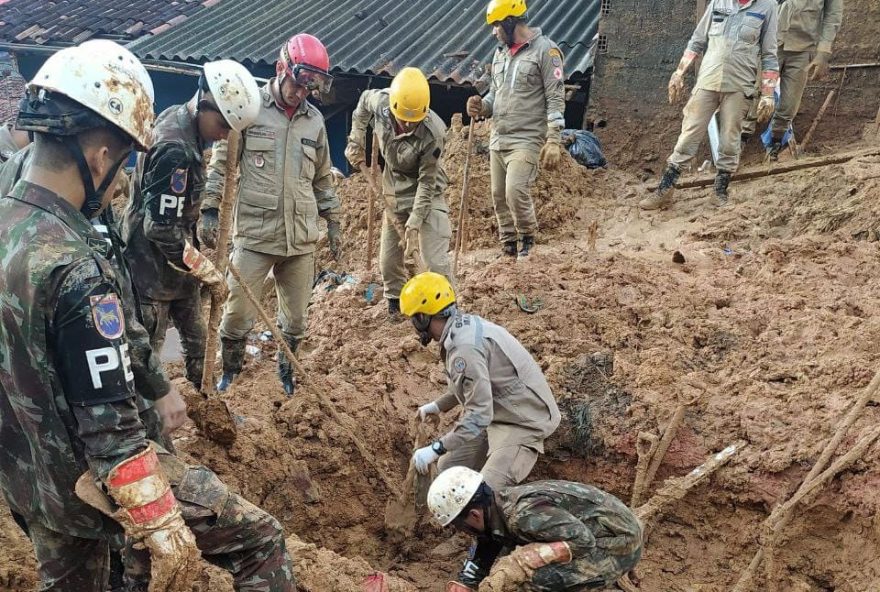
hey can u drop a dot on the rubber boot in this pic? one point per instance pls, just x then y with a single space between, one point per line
194 370
527 243
774 149
285 368
663 196
509 248
722 180
232 354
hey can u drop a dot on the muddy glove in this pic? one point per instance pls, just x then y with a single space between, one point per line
767 105
428 409
411 243
209 227
676 81
200 266
151 517
423 458
519 567
334 238
475 106
819 67
355 154
458 587
551 153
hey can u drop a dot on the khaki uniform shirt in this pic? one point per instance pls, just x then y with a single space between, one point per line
285 180
733 41
499 385
8 147
527 96
413 178
809 25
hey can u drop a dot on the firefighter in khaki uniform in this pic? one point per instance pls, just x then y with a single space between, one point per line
285 185
11 141
527 105
736 37
807 29
411 138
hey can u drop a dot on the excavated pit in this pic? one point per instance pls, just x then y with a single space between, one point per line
772 322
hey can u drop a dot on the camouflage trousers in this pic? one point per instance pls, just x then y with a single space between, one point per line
186 313
232 534
596 570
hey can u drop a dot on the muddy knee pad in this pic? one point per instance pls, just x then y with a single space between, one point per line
232 353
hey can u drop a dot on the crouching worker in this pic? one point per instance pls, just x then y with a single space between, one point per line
544 536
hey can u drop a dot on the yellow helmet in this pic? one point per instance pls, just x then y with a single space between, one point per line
410 95
427 293
498 10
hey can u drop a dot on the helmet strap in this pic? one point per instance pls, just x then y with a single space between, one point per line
94 197
508 25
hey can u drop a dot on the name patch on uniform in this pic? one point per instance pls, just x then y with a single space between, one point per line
757 15
459 365
311 143
178 180
260 132
107 314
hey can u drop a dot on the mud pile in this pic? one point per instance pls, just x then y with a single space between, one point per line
770 324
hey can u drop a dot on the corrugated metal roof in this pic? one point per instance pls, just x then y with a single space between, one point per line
447 39
73 21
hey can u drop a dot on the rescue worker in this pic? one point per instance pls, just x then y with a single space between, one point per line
285 185
735 36
11 141
551 536
526 102
807 29
159 224
66 360
411 140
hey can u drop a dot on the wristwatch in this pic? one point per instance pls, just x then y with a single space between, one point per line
438 448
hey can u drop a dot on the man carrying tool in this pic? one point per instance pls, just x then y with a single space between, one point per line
551 536
286 183
411 138
527 105
160 219
807 29
66 361
735 36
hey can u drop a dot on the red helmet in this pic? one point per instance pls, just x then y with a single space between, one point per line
306 60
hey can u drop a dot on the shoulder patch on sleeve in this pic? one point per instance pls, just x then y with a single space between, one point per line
459 365
107 314
555 53
557 73
178 180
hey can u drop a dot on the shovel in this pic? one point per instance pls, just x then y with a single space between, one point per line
401 514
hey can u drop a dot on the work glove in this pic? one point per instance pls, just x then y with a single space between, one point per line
209 227
200 266
428 409
766 107
355 154
676 87
411 245
551 153
819 67
475 106
519 567
334 238
423 458
506 576
151 518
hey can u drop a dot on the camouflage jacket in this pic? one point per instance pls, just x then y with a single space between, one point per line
581 515
149 377
163 208
67 401
413 179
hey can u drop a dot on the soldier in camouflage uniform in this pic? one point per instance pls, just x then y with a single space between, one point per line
67 403
554 536
159 225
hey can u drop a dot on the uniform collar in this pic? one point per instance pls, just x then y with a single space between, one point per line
536 32
187 122
54 204
269 100
497 525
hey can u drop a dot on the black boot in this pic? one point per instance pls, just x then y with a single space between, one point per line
774 149
527 243
394 314
285 368
663 195
509 248
722 180
194 370
232 354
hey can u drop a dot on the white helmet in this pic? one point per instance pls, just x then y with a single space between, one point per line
105 78
235 91
451 491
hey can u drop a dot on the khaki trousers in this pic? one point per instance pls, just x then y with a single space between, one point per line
293 284
506 466
513 172
732 108
434 236
792 82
